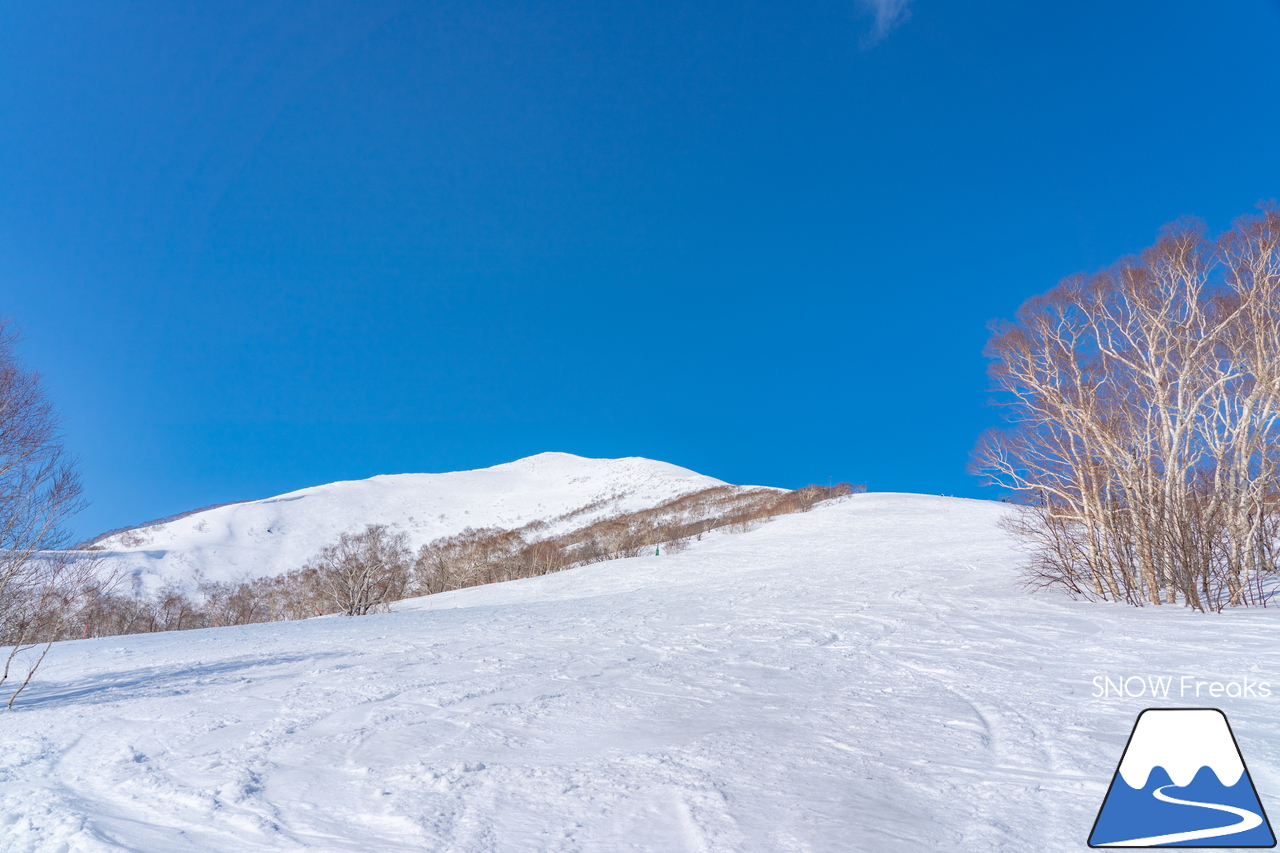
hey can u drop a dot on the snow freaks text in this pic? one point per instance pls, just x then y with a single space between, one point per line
1177 687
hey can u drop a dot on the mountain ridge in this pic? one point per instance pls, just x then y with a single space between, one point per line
268 536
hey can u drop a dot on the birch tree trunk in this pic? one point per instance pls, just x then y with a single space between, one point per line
1144 403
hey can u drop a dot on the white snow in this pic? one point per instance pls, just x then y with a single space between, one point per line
267 537
1181 742
866 676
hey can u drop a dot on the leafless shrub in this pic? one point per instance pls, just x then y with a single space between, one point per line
688 517
469 558
360 573
542 558
364 572
1145 449
39 490
240 603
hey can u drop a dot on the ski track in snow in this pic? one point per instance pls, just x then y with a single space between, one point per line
866 676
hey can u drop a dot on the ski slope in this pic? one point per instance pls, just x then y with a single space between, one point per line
271 536
866 676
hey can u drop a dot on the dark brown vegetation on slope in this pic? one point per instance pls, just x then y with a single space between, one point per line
365 572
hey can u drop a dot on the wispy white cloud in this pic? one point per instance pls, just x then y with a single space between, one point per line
888 14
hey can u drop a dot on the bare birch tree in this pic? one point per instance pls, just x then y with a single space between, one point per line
364 572
39 490
1145 401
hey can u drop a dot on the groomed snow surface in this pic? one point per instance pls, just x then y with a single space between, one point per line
866 676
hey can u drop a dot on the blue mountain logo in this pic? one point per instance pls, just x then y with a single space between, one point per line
1182 783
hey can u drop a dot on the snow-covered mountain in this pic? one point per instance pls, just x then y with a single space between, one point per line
869 675
266 537
1181 742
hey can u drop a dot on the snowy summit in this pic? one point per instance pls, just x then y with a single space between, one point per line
267 537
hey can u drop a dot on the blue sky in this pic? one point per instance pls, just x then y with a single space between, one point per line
264 245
